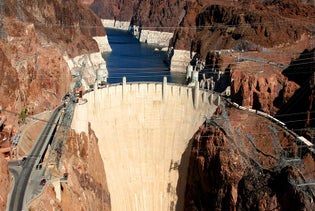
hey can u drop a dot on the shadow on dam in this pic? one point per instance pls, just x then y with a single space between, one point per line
144 132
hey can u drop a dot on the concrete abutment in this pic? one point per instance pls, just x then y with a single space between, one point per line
143 131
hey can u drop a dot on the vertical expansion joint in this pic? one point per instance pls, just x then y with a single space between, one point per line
219 100
94 93
196 94
204 96
124 85
164 87
211 99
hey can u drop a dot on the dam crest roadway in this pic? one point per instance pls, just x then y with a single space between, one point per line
144 131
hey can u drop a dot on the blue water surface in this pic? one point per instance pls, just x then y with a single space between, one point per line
135 60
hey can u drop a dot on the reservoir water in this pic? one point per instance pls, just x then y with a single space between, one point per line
137 61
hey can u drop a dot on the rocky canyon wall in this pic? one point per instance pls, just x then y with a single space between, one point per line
245 162
152 22
4 182
264 46
260 40
40 43
37 41
201 27
86 183
156 15
227 25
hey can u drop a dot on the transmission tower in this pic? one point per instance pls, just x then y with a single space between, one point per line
3 34
1 9
19 10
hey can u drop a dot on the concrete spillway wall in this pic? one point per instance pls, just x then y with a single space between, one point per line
180 60
122 25
151 37
144 132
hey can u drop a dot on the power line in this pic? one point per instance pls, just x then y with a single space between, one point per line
156 117
215 26
295 63
163 70
152 120
292 114
218 26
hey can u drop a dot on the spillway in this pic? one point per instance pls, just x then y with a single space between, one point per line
144 132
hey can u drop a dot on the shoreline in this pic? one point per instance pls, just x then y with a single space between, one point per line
178 60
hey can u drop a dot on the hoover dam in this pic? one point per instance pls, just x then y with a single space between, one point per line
144 131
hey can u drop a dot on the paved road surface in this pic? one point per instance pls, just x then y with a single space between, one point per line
21 181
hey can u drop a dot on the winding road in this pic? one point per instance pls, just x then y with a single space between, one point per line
22 179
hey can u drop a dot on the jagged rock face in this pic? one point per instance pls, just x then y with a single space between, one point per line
35 77
204 26
291 8
277 91
4 182
122 10
208 171
261 91
301 71
72 24
86 182
156 15
34 37
9 80
240 166
159 15
241 26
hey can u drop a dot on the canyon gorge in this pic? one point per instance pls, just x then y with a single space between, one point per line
197 150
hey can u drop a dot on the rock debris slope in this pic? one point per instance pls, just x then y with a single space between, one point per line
244 162
86 183
34 38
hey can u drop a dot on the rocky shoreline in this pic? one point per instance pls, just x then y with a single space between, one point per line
178 59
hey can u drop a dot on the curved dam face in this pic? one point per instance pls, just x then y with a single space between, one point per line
144 131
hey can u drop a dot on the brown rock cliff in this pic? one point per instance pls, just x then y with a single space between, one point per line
122 10
34 37
214 25
4 182
86 183
242 163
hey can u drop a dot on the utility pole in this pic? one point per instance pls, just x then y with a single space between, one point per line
2 31
312 36
1 9
19 10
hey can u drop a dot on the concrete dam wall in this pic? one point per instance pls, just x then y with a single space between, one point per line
144 132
